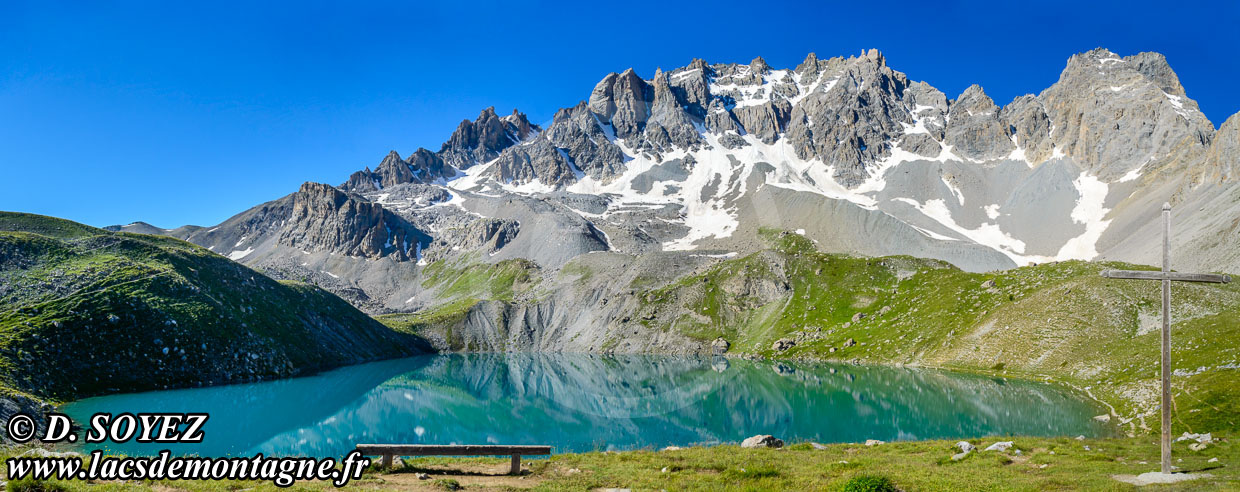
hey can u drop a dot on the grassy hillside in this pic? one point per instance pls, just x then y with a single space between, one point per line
1059 321
84 311
463 283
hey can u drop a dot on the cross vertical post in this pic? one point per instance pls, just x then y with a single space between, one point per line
1166 276
1166 341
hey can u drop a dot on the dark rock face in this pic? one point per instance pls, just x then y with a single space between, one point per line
489 235
1224 156
973 127
670 126
1112 114
536 161
624 100
324 218
423 166
847 121
483 139
1032 127
577 132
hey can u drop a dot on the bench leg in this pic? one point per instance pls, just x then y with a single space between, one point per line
516 465
385 462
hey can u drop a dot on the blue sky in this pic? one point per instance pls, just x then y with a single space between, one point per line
189 112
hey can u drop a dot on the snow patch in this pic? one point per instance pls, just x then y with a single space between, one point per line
1178 103
1089 211
955 191
1131 176
987 234
237 255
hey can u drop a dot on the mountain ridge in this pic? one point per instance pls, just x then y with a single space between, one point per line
847 151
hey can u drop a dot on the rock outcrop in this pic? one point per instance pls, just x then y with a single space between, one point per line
323 218
484 138
423 166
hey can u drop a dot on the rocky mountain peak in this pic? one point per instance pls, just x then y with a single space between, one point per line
759 65
974 98
874 56
974 129
1115 115
520 124
323 218
478 141
624 101
392 159
1155 67
393 170
809 65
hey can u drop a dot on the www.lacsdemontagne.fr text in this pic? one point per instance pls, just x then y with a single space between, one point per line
280 471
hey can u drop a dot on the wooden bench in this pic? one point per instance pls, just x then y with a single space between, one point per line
389 451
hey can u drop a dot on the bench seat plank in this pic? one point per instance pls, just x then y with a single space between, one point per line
450 450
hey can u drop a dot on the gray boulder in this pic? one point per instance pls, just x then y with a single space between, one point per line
762 441
783 344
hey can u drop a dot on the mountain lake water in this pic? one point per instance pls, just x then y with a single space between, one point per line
585 402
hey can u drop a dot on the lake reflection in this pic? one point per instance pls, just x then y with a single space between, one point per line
583 402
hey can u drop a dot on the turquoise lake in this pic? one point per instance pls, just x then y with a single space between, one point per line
582 402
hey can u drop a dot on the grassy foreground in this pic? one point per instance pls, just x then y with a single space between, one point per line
1041 464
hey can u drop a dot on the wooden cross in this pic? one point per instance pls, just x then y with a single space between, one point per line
1166 276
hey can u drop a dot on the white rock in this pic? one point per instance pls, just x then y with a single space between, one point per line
964 446
1000 446
873 442
49 454
1103 418
1212 460
1201 438
1152 478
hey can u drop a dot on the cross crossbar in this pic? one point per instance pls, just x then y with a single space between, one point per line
1173 276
